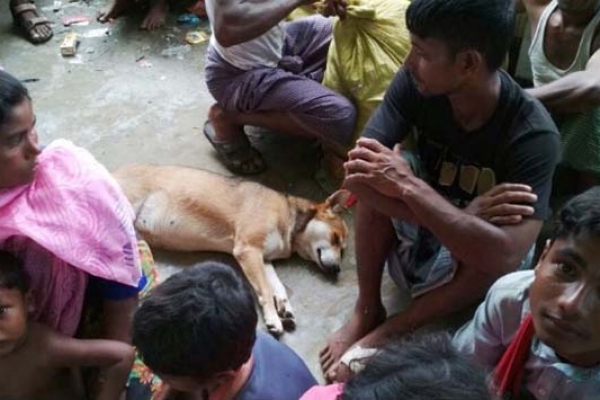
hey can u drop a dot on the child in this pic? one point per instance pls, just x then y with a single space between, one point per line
197 331
419 368
37 362
540 329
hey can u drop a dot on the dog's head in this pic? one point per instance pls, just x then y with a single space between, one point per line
321 233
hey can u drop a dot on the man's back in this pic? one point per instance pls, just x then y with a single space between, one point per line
278 373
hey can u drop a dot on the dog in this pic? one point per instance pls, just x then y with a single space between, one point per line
187 209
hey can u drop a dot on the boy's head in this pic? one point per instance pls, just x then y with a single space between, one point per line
14 287
455 40
197 328
419 368
565 295
18 136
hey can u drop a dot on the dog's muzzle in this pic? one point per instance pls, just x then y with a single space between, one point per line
327 264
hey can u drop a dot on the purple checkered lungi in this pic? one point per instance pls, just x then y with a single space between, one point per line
293 87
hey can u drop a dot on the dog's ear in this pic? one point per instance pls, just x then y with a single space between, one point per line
337 202
303 218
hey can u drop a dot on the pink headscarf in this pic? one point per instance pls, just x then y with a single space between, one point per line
71 221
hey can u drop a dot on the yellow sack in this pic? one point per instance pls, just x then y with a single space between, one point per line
367 49
301 12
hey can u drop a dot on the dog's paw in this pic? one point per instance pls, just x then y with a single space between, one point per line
289 324
275 327
284 308
285 312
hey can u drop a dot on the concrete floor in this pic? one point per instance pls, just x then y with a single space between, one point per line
123 112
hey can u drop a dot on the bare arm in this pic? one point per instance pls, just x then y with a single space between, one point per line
576 92
494 250
115 357
238 21
117 319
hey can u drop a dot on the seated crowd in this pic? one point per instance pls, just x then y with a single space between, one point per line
453 177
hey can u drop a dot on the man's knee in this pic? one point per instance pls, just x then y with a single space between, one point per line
341 120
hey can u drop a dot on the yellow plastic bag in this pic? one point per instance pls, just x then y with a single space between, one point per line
367 49
302 12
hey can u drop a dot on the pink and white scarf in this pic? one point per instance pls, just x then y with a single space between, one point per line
71 221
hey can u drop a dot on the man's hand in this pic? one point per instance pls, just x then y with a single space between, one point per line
504 204
334 7
373 164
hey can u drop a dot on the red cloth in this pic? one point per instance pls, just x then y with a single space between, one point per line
508 374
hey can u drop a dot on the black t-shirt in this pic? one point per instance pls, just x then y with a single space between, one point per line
519 144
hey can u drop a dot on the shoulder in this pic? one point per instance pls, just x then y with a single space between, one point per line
510 292
527 115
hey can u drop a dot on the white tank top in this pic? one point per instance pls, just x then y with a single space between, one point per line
263 51
543 71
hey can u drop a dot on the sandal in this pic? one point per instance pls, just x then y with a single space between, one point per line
17 9
239 157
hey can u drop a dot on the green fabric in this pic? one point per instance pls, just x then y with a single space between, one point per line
580 135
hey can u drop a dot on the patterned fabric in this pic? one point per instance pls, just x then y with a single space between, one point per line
580 135
293 88
141 375
73 214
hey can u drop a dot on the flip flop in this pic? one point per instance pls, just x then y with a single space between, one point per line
28 24
239 157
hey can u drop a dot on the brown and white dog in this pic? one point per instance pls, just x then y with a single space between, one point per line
195 210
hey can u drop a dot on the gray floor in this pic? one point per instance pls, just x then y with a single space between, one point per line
107 100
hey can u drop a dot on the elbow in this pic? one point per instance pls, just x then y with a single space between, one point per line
505 260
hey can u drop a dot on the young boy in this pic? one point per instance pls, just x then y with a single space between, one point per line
540 329
197 331
39 363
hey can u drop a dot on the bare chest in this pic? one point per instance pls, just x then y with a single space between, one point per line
561 42
33 380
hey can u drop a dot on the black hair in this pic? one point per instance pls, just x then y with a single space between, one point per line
580 215
12 93
12 273
197 323
424 367
486 26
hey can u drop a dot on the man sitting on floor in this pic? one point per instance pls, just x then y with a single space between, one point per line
267 73
451 219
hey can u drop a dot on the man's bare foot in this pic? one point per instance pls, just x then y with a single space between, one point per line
115 10
361 323
155 18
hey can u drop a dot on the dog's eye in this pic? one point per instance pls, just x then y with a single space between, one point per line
335 239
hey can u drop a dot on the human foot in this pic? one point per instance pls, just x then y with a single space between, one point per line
115 10
361 323
155 18
35 27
